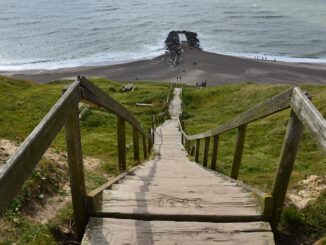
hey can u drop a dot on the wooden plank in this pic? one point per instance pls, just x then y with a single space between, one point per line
238 151
134 232
135 140
311 118
285 166
93 94
197 150
265 200
180 206
76 170
214 152
34 146
277 103
206 149
94 197
121 140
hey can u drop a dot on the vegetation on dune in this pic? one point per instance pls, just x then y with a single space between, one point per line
23 104
209 107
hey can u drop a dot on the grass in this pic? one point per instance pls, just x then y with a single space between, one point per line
23 104
206 108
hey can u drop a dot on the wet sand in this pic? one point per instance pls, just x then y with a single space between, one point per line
197 66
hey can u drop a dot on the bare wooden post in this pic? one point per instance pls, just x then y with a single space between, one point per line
197 150
285 166
192 152
206 149
214 152
135 140
149 137
153 122
76 171
238 151
144 147
121 138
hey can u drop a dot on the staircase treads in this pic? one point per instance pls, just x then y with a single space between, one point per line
179 206
125 231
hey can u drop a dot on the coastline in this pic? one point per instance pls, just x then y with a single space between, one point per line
196 66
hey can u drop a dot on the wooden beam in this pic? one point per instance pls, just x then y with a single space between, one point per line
144 147
206 150
285 166
121 140
238 151
91 93
197 150
135 140
149 138
277 103
76 170
311 118
34 146
214 152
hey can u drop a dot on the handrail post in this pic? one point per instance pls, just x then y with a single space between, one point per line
121 139
238 151
206 149
76 171
144 147
135 140
214 152
197 150
285 166
149 138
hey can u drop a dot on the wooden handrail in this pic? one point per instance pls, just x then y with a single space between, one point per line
303 114
65 113
277 103
20 165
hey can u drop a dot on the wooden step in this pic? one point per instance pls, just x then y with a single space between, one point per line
163 205
125 231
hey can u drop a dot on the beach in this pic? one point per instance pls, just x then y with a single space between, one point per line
196 66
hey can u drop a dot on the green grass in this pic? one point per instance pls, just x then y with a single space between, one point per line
209 107
23 104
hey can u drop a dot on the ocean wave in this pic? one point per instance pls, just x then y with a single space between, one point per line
267 16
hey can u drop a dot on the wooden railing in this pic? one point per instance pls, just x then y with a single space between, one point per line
159 118
65 113
303 114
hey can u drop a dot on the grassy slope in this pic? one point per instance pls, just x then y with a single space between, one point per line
209 107
22 106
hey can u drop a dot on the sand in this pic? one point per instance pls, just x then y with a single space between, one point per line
197 66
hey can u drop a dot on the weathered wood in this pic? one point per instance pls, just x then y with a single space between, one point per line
311 118
214 152
134 232
238 151
285 166
91 93
144 147
197 150
135 140
121 140
94 198
149 139
277 103
34 146
76 170
206 149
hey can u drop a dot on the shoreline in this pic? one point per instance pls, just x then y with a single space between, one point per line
196 66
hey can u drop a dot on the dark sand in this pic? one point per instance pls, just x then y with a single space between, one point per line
197 66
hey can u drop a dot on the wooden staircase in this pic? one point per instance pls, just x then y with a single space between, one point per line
168 199
171 200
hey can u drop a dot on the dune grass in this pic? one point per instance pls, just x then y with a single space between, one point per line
208 107
24 103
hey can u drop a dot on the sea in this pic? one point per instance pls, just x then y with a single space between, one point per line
47 34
